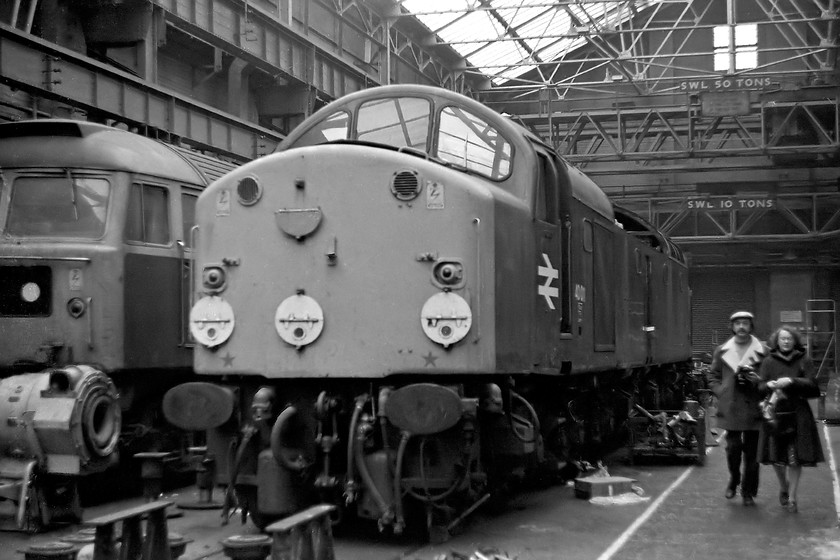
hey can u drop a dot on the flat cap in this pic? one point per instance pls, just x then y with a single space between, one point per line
741 315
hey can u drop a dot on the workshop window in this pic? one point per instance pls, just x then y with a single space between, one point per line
735 47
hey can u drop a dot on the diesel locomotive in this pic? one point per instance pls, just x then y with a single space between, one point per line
94 297
415 304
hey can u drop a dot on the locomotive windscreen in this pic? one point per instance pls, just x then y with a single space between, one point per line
461 137
58 206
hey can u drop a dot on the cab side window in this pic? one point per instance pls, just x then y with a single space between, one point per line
148 215
466 140
187 217
546 199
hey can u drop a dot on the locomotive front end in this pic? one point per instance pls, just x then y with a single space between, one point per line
345 301
342 261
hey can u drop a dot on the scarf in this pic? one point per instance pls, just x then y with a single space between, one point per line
752 356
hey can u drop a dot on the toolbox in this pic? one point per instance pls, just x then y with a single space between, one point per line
599 486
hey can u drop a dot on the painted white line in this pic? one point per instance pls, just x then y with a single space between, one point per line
625 536
833 464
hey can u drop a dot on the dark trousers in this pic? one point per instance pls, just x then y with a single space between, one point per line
743 444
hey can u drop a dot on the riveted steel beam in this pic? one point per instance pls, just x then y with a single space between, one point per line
46 70
746 217
334 47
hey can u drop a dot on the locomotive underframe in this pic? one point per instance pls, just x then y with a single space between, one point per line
306 441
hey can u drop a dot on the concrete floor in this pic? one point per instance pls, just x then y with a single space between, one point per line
682 514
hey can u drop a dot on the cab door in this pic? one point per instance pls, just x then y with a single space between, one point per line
548 308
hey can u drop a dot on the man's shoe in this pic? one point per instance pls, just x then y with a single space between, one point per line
749 501
730 493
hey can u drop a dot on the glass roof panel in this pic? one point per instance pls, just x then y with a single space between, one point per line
504 39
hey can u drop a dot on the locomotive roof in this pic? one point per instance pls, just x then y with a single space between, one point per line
92 145
584 189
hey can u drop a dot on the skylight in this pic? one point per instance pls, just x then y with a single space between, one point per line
504 39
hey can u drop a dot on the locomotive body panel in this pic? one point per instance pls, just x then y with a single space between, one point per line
368 263
67 279
95 235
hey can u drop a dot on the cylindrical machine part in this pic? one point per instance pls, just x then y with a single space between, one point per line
280 491
67 419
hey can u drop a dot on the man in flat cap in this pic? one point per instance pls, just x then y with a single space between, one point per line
733 377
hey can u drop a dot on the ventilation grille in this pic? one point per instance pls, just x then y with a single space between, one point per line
249 191
406 185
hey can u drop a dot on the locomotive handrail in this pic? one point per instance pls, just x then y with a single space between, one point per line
183 294
89 303
193 238
36 258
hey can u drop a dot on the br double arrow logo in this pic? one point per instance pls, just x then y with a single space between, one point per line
550 274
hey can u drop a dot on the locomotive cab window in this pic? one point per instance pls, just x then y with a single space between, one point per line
148 215
468 141
402 122
65 205
545 203
187 217
334 127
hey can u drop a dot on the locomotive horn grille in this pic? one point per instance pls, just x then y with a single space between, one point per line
406 185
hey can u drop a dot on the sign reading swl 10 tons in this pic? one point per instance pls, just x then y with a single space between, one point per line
731 203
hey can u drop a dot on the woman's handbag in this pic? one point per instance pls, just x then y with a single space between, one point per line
778 423
768 409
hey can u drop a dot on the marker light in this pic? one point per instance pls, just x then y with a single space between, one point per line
76 307
30 292
448 273
213 278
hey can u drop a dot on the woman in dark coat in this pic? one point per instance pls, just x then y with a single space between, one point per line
794 442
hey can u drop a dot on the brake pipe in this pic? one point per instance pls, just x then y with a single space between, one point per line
361 434
399 525
350 482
